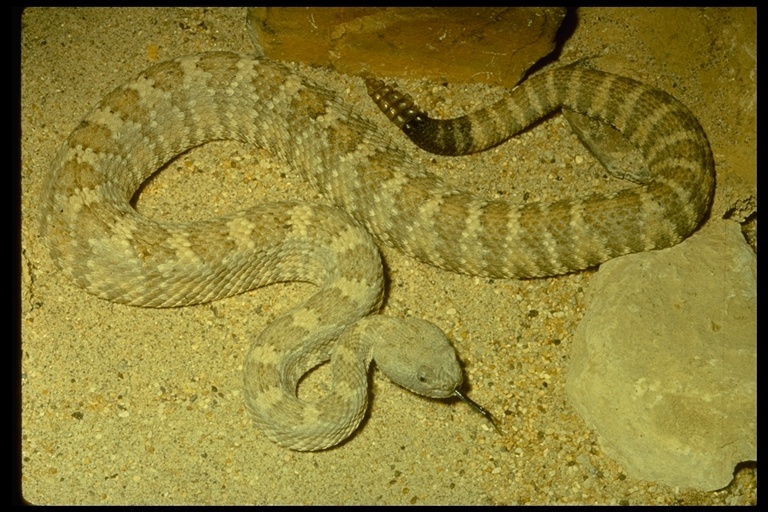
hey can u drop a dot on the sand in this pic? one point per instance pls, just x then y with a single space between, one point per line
125 405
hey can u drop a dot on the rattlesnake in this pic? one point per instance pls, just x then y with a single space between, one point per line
99 241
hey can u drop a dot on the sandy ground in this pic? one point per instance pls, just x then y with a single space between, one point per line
125 405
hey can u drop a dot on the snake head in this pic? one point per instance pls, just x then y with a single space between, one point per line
416 355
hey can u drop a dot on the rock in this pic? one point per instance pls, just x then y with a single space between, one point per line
461 45
664 362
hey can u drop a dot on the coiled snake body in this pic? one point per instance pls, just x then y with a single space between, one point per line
98 240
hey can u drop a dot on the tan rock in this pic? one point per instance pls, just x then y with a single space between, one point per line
664 362
459 45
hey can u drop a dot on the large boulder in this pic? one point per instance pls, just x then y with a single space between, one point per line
664 361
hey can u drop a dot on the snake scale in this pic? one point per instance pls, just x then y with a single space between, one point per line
103 245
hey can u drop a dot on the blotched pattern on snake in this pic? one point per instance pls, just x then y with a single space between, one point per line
99 241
